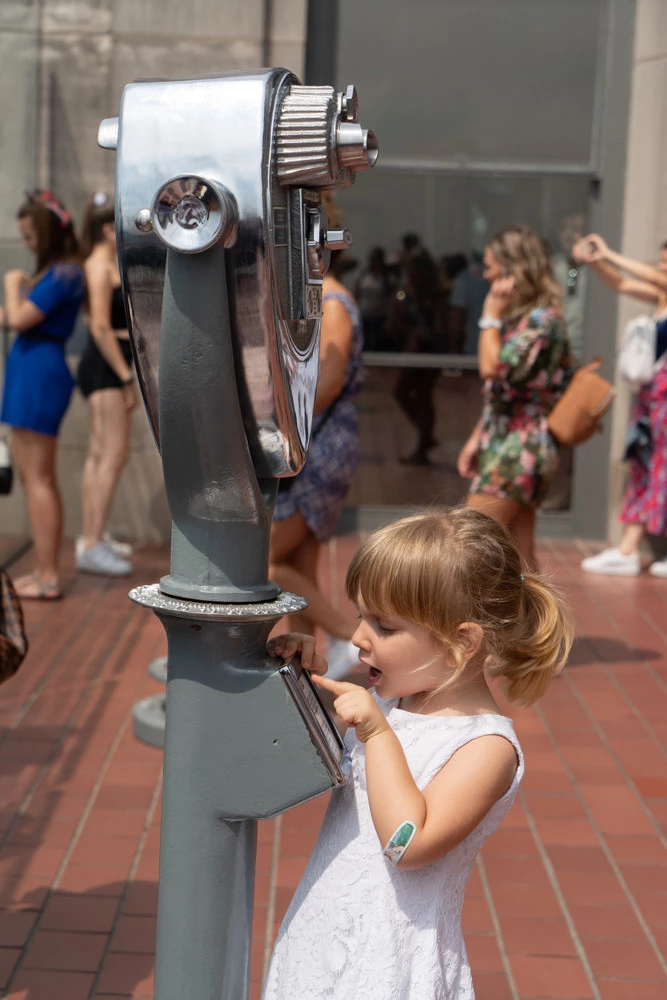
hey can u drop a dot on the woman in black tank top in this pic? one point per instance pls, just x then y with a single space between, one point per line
106 380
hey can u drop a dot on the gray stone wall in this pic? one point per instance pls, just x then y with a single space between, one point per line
67 62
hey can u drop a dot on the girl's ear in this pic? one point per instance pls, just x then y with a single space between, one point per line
471 638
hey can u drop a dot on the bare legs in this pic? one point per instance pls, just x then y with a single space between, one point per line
108 449
631 540
35 456
519 520
294 554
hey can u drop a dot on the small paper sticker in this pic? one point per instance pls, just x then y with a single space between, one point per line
399 842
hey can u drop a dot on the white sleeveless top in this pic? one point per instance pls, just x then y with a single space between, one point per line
360 929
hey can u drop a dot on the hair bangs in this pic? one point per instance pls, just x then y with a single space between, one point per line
398 572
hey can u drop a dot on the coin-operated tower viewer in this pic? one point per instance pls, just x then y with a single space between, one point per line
223 241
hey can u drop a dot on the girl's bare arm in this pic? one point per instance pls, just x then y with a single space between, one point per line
453 803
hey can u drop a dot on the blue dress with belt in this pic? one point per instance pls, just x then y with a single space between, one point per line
38 382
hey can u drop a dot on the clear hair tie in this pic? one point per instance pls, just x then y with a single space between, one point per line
99 199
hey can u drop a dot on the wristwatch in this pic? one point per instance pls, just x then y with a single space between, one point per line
489 322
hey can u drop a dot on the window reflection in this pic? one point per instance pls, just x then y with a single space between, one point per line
386 436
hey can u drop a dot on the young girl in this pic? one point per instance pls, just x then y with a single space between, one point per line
435 765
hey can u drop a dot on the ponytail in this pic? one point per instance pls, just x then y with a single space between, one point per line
538 647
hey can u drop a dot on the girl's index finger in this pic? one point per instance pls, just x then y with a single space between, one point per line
336 687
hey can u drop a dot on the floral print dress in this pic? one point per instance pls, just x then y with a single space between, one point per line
517 455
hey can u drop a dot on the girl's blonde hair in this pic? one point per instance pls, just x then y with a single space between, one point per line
524 255
443 567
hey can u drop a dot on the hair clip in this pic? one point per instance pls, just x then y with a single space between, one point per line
523 579
49 200
99 199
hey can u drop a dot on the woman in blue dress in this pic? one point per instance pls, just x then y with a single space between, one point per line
42 310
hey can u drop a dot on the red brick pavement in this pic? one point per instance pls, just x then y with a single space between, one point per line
568 900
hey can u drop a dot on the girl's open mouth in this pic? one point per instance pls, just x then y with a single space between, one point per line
374 675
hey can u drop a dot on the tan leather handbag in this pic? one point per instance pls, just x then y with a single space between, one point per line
578 413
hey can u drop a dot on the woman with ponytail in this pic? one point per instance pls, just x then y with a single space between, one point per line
42 309
444 605
106 380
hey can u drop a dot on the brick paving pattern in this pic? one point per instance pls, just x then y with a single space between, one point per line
568 900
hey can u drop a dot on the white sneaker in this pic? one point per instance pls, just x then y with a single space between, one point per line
343 655
611 562
102 559
659 568
122 549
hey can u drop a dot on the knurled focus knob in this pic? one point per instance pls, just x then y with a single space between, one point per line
318 142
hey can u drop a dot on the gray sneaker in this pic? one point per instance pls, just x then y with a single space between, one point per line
103 560
122 549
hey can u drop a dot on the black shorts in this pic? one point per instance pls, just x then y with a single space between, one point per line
94 372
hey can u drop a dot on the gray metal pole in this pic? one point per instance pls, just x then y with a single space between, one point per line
207 864
219 554
229 384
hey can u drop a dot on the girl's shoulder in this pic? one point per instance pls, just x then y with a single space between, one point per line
430 741
484 722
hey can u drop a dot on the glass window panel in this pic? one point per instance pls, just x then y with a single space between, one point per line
456 214
386 436
509 80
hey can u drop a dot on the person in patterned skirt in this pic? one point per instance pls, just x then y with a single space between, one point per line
525 362
645 503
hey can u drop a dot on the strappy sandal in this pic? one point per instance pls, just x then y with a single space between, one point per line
33 588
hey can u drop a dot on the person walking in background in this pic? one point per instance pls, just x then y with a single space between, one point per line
469 291
107 382
42 309
309 505
572 278
435 765
525 362
645 503
414 322
373 294
451 266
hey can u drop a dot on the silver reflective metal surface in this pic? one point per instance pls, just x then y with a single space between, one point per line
150 596
190 214
143 221
236 159
107 133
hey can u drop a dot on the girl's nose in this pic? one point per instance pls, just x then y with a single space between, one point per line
360 637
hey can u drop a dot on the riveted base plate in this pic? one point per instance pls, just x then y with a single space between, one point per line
150 596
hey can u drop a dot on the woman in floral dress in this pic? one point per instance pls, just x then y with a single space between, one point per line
524 360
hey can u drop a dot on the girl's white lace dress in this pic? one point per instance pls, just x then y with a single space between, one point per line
360 929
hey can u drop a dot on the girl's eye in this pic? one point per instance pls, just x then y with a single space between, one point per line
384 629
